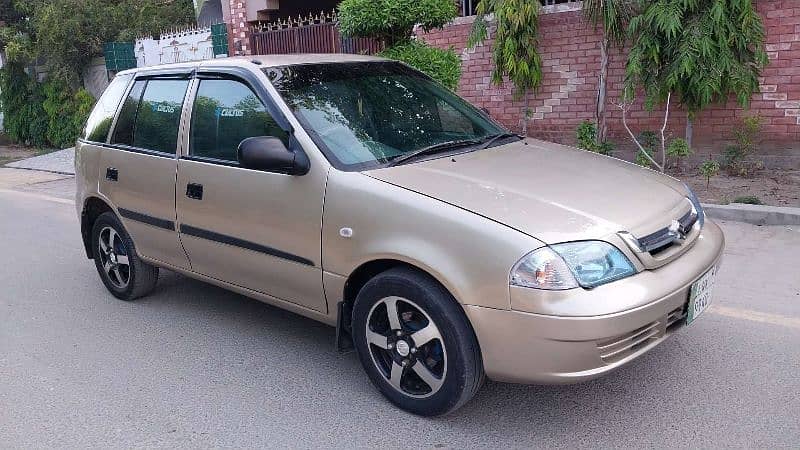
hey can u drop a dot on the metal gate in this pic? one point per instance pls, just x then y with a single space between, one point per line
314 34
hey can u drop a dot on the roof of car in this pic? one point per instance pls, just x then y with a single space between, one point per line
264 61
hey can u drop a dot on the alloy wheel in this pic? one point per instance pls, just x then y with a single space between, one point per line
406 346
114 257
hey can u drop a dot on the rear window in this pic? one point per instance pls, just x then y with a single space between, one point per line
123 131
151 114
99 122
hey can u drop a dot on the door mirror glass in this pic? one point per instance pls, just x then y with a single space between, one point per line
270 154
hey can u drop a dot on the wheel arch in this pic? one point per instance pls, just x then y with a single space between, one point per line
356 281
369 269
92 208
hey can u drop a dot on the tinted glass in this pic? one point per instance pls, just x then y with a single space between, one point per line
99 122
156 126
226 112
123 131
367 114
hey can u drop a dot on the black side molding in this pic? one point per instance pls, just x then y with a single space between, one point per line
236 242
150 220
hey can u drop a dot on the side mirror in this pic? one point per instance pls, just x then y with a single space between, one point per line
270 154
486 111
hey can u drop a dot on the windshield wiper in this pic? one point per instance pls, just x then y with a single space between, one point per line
431 149
496 137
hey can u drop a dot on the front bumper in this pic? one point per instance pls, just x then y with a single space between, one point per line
526 347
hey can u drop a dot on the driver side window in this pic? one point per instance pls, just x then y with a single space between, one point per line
225 113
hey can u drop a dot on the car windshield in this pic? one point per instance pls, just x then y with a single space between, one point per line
366 114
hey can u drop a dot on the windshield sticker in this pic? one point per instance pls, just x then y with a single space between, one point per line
229 112
163 108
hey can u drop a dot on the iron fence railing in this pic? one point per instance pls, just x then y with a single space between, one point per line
312 34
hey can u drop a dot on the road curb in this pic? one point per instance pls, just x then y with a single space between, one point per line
754 214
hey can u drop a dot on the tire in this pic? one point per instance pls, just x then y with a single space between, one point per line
428 362
125 281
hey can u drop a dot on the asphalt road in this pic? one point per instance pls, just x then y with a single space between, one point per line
195 366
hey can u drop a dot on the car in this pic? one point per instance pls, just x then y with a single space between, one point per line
358 192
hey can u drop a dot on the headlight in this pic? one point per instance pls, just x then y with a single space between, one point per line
568 265
698 208
543 269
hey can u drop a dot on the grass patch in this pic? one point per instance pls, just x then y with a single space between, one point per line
748 200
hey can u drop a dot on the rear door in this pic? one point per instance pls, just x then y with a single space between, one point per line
254 229
139 165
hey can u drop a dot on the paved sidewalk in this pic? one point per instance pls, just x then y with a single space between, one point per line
46 184
61 161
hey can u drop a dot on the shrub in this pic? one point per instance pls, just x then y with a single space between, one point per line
679 149
393 21
41 114
748 200
443 66
21 98
649 140
709 169
66 112
586 135
737 158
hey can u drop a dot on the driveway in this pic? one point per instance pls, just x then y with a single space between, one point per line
193 365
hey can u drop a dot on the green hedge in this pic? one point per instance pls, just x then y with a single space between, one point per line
443 66
21 98
46 114
393 21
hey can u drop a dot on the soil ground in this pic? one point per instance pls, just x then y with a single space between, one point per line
11 152
773 187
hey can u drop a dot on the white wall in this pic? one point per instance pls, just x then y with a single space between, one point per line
188 45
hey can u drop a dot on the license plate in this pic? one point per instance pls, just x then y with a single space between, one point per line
700 295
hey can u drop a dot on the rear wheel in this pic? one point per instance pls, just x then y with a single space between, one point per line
125 275
415 343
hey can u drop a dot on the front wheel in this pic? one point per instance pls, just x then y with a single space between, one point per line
416 343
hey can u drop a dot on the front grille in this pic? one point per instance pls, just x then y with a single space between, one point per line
662 239
620 347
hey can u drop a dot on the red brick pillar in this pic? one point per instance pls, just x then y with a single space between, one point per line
234 12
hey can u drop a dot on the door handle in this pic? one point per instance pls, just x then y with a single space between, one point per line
112 174
195 191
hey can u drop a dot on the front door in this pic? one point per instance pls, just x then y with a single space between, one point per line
254 229
138 167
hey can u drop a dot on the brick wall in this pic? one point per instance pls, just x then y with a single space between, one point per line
234 13
571 59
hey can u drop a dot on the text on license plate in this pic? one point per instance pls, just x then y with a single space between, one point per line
700 295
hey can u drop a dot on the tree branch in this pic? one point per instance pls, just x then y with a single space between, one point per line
624 107
663 130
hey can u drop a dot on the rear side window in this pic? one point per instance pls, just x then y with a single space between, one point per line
159 114
123 131
99 122
225 113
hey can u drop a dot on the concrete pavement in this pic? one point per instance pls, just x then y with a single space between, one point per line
60 161
193 365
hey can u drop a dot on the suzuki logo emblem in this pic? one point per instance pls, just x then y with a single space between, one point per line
675 229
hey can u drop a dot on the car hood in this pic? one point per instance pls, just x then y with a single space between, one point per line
552 192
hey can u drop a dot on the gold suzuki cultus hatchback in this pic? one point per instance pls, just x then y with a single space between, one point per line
358 192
